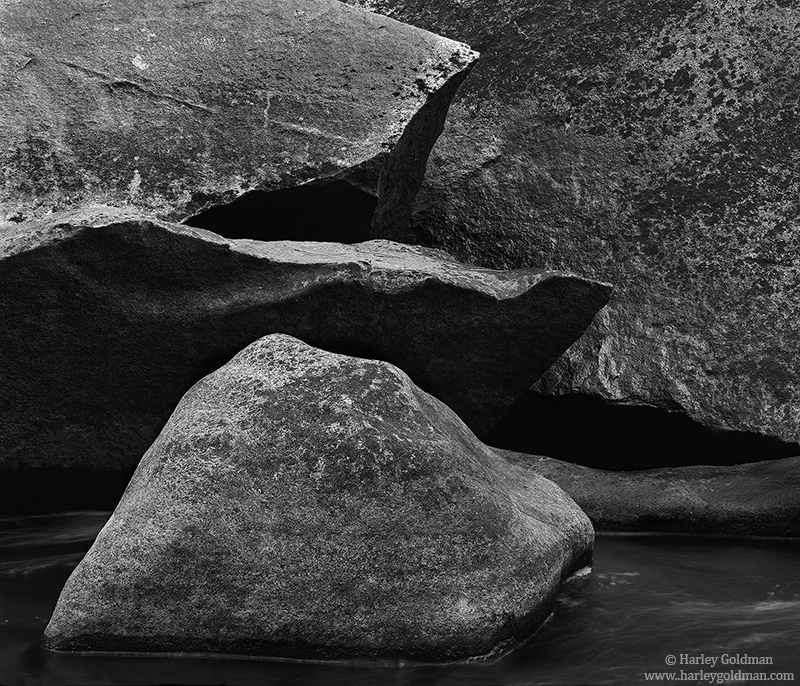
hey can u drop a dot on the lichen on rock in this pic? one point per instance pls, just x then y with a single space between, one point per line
653 145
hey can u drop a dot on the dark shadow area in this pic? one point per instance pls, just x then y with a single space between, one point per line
45 490
321 211
587 431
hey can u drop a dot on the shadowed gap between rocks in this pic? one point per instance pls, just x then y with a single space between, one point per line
334 211
79 488
588 431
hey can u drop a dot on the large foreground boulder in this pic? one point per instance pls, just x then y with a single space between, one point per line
304 504
174 106
651 144
754 499
109 318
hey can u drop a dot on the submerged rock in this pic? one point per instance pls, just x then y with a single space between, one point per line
304 504
753 499
653 145
108 319
176 106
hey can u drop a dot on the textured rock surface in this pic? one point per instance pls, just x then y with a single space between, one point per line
305 504
754 499
653 145
173 106
108 319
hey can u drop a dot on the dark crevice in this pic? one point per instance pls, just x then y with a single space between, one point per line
30 490
320 211
588 431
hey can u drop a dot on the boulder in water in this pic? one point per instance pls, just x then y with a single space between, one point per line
305 504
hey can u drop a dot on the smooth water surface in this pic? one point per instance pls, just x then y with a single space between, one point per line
648 597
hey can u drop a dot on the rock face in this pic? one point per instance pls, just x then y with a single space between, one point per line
174 106
653 145
109 318
300 503
754 499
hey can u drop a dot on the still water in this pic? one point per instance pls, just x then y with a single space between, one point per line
647 598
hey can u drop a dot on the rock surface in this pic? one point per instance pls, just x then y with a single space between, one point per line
109 318
174 106
754 499
300 503
653 145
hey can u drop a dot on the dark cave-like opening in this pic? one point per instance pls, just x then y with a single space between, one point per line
319 211
588 431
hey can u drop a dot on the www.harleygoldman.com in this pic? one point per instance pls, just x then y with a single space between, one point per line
724 669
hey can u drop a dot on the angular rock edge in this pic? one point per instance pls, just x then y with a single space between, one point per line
110 317
304 504
174 108
754 499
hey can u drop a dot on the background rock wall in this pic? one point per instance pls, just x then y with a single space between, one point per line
651 144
